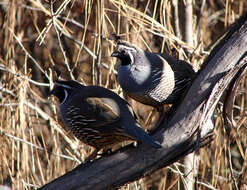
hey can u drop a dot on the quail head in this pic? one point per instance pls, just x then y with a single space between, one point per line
97 116
151 78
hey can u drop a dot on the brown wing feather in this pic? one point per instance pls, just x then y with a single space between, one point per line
94 111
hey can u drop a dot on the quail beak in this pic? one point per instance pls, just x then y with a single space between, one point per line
52 92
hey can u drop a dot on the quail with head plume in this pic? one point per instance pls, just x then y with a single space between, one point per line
97 116
151 78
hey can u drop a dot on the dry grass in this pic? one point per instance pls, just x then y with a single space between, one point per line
34 148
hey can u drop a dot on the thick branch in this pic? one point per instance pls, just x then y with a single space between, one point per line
176 135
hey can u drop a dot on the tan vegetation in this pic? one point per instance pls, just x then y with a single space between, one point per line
73 36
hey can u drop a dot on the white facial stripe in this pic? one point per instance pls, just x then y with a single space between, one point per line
131 57
63 85
65 96
130 48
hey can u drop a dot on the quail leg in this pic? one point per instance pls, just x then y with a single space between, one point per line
105 152
165 114
95 153
161 117
92 156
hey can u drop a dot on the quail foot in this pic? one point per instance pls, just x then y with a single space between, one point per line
151 78
97 116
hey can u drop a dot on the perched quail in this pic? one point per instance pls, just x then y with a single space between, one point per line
151 78
97 116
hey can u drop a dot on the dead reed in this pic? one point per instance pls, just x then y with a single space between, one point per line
74 35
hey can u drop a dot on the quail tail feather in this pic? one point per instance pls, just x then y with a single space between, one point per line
140 135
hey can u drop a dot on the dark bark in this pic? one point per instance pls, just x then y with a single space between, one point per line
177 134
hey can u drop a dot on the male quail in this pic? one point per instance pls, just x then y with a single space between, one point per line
97 116
151 78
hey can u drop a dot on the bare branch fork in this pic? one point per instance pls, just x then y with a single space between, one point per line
177 134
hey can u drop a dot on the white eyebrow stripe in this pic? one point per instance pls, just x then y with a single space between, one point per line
131 57
128 48
63 85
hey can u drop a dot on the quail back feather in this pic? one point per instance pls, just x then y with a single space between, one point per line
97 116
151 78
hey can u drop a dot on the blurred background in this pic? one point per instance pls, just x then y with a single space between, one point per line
37 36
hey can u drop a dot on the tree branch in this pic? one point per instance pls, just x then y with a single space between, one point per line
177 134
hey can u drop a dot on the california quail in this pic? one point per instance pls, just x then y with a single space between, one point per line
97 116
151 78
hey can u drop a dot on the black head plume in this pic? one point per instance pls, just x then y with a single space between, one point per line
62 89
57 74
69 84
114 37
